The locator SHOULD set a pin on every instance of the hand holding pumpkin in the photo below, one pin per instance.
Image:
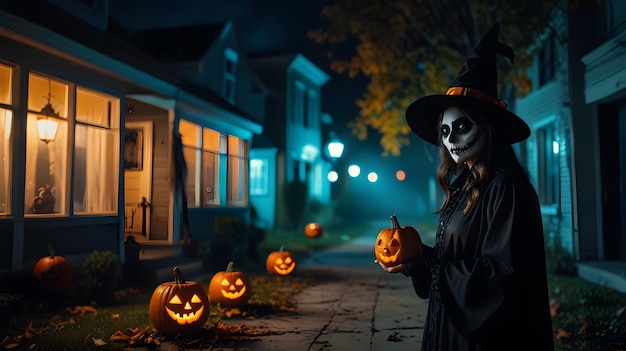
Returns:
(397, 244)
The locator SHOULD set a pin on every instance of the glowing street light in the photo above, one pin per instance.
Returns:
(335, 147)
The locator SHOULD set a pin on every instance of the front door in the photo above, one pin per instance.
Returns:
(138, 179)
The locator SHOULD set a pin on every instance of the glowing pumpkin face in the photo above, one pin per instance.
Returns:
(313, 230)
(280, 262)
(229, 288)
(396, 244)
(179, 306)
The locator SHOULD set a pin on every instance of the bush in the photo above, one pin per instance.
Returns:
(101, 276)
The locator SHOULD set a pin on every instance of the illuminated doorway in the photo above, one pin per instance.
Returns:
(138, 179)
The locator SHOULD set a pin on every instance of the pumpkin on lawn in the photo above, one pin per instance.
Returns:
(280, 262)
(229, 288)
(179, 306)
(54, 273)
(313, 230)
(396, 244)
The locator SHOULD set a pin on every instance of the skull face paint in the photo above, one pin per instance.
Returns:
(461, 137)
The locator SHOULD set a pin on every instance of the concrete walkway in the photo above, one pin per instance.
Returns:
(353, 305)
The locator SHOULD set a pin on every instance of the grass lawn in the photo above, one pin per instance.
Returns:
(585, 316)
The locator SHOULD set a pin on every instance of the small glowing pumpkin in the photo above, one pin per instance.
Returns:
(280, 262)
(313, 230)
(54, 273)
(396, 244)
(179, 306)
(229, 288)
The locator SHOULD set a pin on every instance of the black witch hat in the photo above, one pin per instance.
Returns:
(474, 89)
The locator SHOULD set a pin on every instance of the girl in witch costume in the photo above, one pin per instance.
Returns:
(485, 278)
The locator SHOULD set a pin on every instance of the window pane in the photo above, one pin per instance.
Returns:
(96, 153)
(95, 170)
(43, 90)
(210, 175)
(6, 119)
(210, 140)
(237, 185)
(45, 189)
(193, 198)
(93, 108)
(189, 133)
(259, 176)
(6, 78)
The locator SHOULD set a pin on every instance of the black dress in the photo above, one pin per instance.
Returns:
(486, 276)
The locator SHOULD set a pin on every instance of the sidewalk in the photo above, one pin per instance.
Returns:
(353, 305)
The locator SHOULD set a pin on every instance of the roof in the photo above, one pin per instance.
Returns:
(182, 44)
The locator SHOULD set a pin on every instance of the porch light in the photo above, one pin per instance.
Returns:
(46, 123)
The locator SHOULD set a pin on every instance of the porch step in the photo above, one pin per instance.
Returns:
(611, 274)
(156, 264)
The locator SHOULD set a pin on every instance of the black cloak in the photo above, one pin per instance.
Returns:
(486, 276)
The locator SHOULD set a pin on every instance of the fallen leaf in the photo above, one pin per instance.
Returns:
(395, 337)
(99, 342)
(562, 335)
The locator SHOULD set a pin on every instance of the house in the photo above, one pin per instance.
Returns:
(291, 148)
(124, 118)
(577, 113)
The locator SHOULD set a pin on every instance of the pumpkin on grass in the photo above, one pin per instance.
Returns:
(54, 273)
(229, 288)
(313, 230)
(179, 306)
(280, 262)
(396, 244)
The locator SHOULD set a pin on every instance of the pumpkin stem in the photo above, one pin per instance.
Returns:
(229, 268)
(178, 276)
(51, 249)
(282, 247)
(394, 222)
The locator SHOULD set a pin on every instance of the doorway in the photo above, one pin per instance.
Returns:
(138, 179)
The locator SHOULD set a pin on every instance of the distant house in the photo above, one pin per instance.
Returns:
(110, 169)
(576, 155)
(291, 146)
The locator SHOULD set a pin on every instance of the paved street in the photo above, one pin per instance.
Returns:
(353, 305)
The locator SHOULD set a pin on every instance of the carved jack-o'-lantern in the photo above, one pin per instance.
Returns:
(313, 230)
(396, 244)
(229, 288)
(54, 273)
(179, 306)
(280, 262)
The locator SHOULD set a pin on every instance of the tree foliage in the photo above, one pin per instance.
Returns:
(412, 48)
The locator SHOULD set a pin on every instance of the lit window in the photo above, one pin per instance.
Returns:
(201, 149)
(95, 149)
(547, 165)
(6, 119)
(46, 160)
(237, 174)
(259, 174)
(96, 153)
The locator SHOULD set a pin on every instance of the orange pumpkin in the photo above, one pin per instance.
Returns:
(54, 273)
(229, 288)
(396, 244)
(179, 306)
(280, 262)
(313, 230)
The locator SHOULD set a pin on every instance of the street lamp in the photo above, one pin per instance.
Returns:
(335, 147)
